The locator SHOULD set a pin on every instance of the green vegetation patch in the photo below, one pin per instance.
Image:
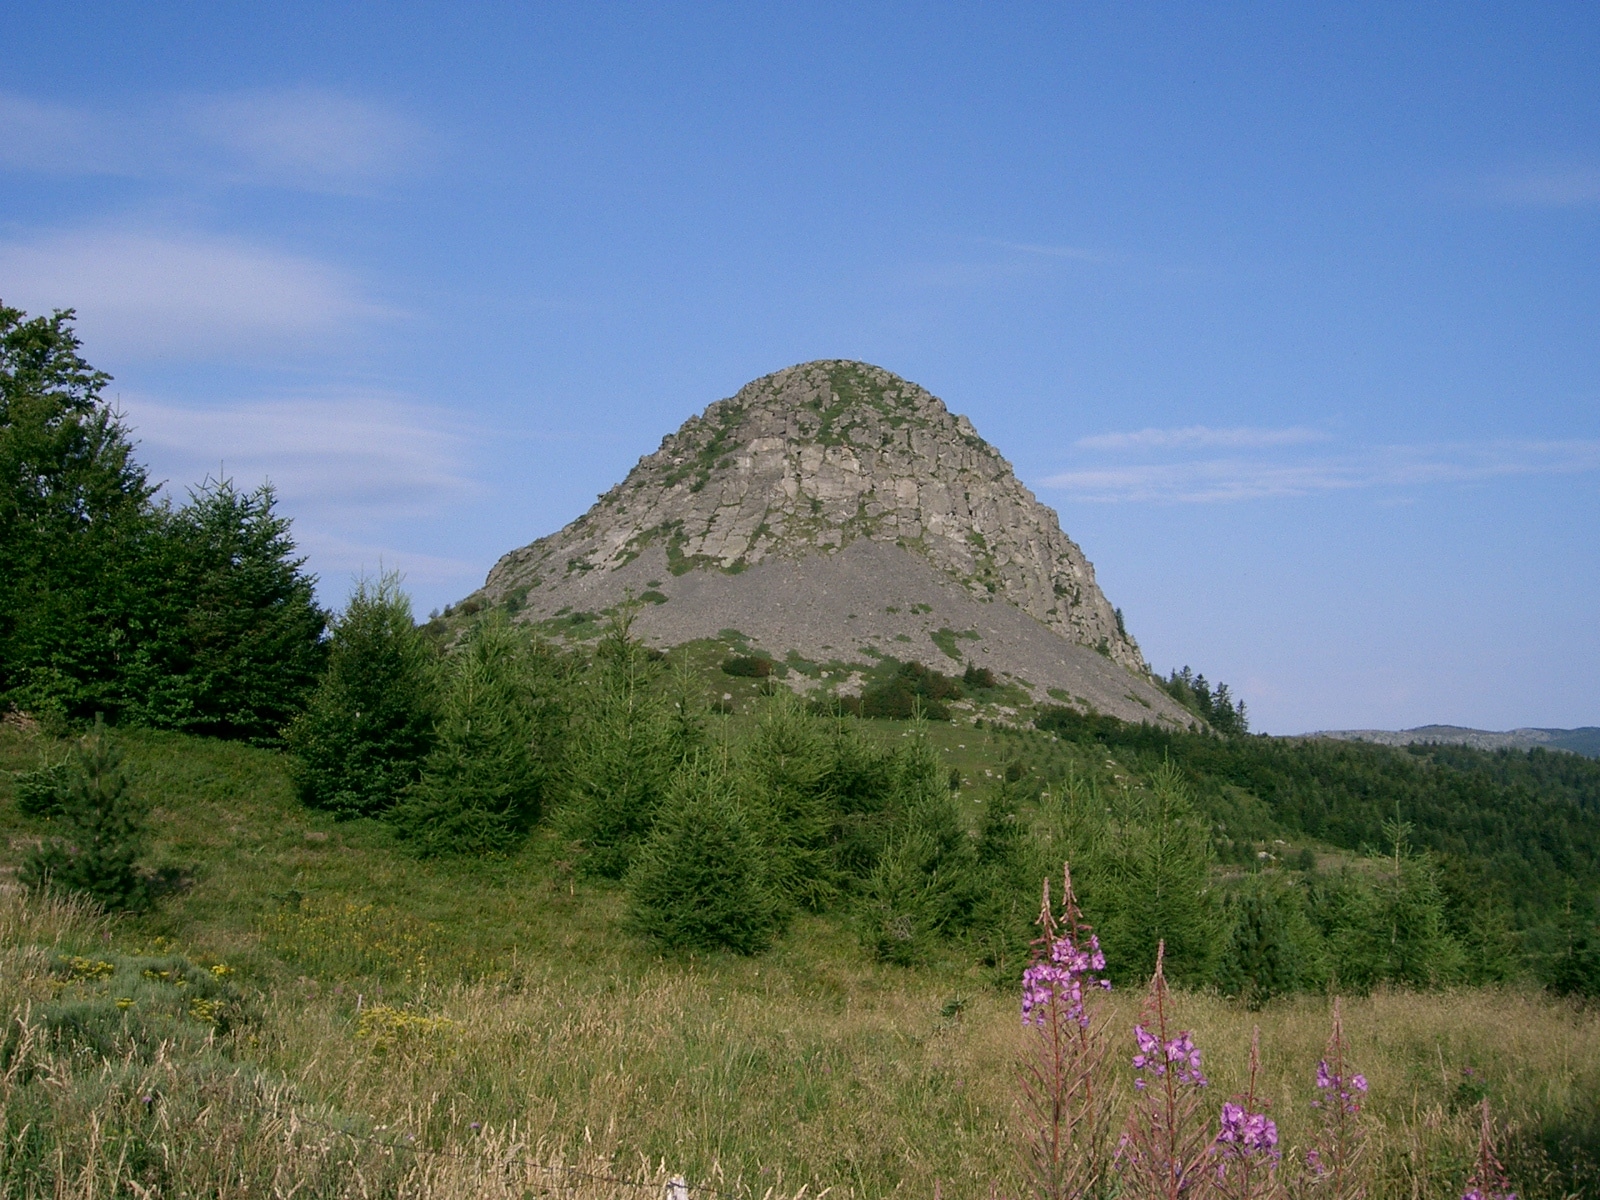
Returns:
(948, 640)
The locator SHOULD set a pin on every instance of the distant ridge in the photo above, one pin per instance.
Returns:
(1584, 741)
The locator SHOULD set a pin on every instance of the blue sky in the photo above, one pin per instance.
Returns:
(1289, 310)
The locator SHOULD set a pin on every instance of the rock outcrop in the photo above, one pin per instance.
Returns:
(843, 496)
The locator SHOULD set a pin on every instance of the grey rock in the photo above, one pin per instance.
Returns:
(812, 512)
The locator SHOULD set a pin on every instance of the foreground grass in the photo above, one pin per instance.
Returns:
(379, 1026)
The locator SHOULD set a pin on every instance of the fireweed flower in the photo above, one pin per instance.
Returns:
(1061, 977)
(1244, 1131)
(1334, 1161)
(1180, 1053)
(1062, 1076)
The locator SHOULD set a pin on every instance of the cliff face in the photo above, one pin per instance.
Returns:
(869, 500)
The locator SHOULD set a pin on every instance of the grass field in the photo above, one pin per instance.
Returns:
(317, 1006)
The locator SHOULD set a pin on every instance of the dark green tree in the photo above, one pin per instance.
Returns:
(785, 764)
(1009, 866)
(1272, 948)
(627, 742)
(924, 885)
(1392, 929)
(367, 727)
(497, 736)
(98, 852)
(242, 647)
(1152, 883)
(699, 881)
(75, 526)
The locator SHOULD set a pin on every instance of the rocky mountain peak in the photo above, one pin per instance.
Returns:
(812, 459)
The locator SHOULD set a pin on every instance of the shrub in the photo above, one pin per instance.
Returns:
(483, 782)
(699, 882)
(978, 677)
(747, 666)
(912, 691)
(365, 731)
(105, 831)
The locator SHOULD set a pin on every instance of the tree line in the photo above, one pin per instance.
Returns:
(196, 616)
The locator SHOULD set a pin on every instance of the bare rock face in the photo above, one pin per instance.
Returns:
(779, 481)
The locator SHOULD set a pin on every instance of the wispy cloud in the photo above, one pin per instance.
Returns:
(1202, 435)
(143, 294)
(336, 558)
(356, 457)
(309, 139)
(1239, 478)
(1080, 253)
(1552, 187)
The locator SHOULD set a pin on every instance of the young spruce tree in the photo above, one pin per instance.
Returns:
(700, 882)
(498, 729)
(627, 742)
(99, 853)
(367, 727)
(924, 885)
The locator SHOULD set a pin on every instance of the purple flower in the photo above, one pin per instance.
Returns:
(1244, 1131)
(1059, 977)
(1359, 1082)
(1324, 1080)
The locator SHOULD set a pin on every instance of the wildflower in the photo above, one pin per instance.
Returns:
(1333, 1160)
(1166, 1143)
(1180, 1053)
(1061, 1080)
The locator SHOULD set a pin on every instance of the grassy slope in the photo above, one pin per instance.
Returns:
(808, 1064)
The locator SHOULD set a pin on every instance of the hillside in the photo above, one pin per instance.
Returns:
(1585, 741)
(467, 1027)
(836, 514)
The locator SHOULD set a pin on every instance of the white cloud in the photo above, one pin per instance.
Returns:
(343, 457)
(1225, 479)
(1560, 187)
(142, 294)
(306, 138)
(310, 139)
(1202, 435)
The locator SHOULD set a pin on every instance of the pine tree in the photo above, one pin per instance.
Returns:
(1154, 883)
(498, 731)
(240, 647)
(627, 742)
(785, 763)
(104, 830)
(367, 727)
(698, 882)
(75, 526)
(924, 886)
